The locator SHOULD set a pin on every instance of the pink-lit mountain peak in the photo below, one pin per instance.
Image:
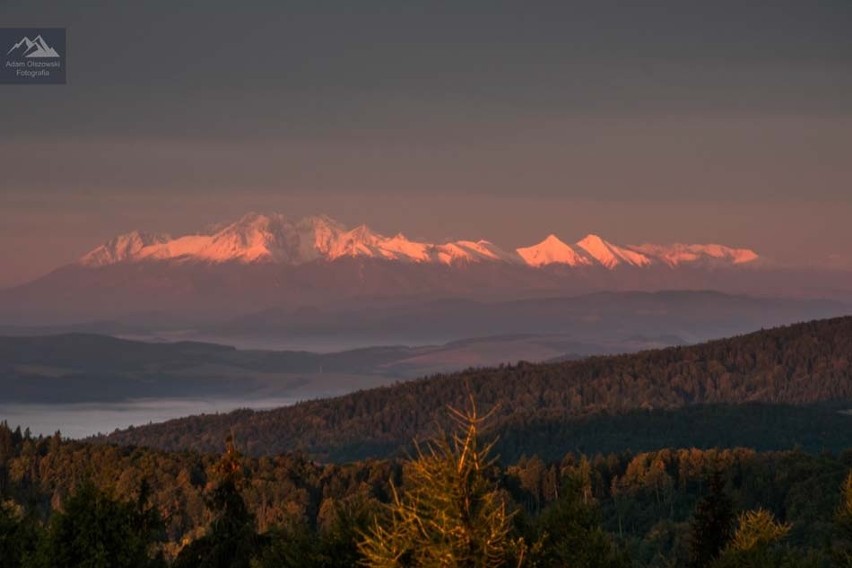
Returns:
(552, 250)
(610, 255)
(274, 238)
(679, 253)
(122, 248)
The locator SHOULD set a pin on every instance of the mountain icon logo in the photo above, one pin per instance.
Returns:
(33, 48)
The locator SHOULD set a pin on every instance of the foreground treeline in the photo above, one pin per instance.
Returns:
(77, 504)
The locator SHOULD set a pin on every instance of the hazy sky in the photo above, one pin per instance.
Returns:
(643, 121)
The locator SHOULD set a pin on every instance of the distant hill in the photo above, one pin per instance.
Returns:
(668, 317)
(565, 325)
(802, 364)
(81, 367)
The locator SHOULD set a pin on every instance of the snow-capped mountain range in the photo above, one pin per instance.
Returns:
(273, 238)
(269, 261)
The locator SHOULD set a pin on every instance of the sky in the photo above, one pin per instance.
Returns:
(661, 121)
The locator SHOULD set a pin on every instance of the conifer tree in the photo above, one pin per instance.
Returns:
(570, 531)
(712, 523)
(843, 518)
(96, 531)
(451, 513)
(752, 544)
(19, 536)
(231, 541)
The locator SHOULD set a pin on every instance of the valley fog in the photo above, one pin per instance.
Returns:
(80, 420)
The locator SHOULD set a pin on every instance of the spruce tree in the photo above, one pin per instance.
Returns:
(232, 540)
(97, 531)
(451, 513)
(843, 518)
(712, 523)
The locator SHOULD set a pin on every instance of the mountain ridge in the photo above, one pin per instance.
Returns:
(799, 364)
(274, 238)
(263, 261)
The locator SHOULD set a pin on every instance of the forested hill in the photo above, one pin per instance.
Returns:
(799, 364)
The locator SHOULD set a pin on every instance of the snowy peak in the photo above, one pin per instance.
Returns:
(470, 251)
(273, 238)
(122, 248)
(677, 254)
(551, 251)
(610, 255)
(253, 238)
